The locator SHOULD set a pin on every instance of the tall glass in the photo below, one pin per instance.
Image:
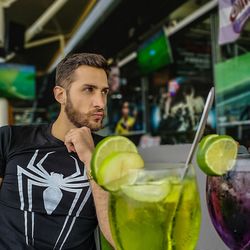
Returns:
(157, 211)
(228, 200)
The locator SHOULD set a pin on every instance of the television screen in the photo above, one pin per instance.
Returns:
(154, 53)
(233, 89)
(17, 81)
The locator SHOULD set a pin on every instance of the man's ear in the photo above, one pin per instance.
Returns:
(60, 94)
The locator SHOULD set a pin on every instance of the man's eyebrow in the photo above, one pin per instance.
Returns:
(89, 85)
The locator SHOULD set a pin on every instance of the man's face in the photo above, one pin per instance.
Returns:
(87, 98)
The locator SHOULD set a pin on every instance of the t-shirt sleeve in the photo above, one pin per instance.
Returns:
(97, 138)
(4, 144)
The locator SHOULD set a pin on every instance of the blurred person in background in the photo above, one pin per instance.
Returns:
(126, 123)
(195, 104)
(114, 79)
(48, 199)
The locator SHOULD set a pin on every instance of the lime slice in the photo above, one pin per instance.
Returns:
(206, 139)
(175, 193)
(115, 170)
(108, 145)
(151, 192)
(217, 155)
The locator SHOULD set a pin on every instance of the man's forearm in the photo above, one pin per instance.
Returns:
(80, 140)
(101, 203)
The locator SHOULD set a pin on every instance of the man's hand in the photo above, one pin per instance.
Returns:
(80, 141)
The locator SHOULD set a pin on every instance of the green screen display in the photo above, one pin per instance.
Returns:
(228, 78)
(17, 81)
(232, 82)
(154, 53)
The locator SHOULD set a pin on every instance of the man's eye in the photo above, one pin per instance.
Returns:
(89, 90)
(105, 91)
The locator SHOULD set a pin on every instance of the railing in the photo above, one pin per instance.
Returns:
(223, 125)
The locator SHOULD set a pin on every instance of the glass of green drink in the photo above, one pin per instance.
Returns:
(156, 209)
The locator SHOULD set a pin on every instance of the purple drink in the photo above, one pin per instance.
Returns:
(228, 200)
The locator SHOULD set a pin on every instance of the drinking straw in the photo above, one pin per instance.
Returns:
(200, 130)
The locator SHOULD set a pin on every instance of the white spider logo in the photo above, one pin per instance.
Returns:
(52, 195)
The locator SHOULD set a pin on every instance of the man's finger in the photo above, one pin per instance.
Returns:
(70, 147)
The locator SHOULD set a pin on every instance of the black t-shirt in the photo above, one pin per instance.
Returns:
(45, 197)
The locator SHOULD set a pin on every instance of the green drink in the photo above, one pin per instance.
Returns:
(187, 218)
(158, 211)
(150, 207)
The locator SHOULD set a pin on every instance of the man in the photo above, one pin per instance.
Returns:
(47, 197)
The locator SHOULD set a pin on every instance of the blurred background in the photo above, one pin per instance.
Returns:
(164, 57)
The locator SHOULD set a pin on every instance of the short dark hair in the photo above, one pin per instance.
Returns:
(70, 63)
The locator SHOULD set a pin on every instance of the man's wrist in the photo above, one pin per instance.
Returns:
(89, 175)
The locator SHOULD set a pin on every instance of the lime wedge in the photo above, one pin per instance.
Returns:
(217, 155)
(115, 170)
(203, 143)
(107, 146)
(151, 192)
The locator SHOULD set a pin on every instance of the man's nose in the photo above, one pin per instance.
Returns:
(99, 100)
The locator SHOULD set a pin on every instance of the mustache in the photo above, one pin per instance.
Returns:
(98, 110)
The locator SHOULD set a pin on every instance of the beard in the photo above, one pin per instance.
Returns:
(79, 119)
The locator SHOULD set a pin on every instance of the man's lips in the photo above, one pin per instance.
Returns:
(98, 115)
